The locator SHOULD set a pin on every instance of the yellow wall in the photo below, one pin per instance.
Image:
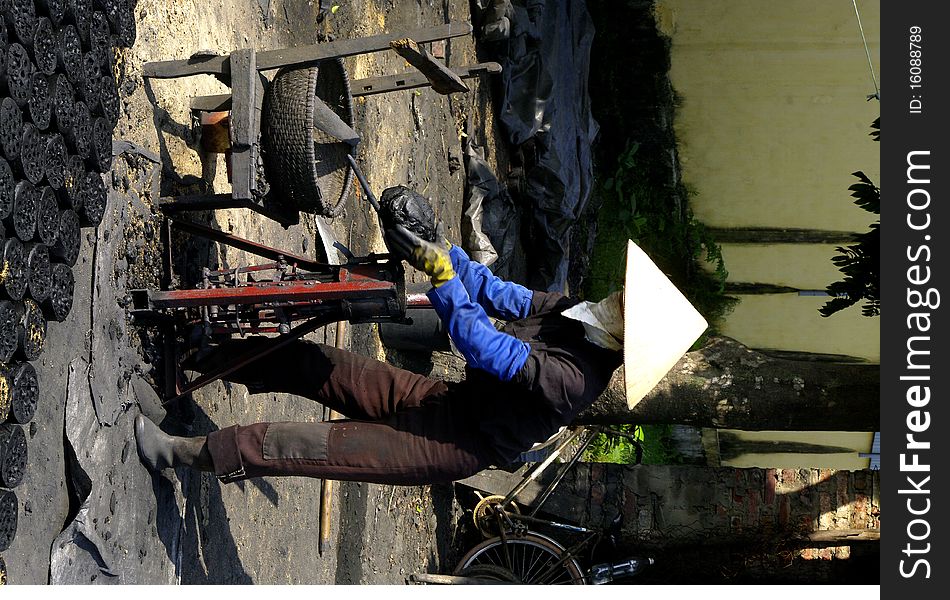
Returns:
(792, 322)
(802, 266)
(859, 442)
(774, 121)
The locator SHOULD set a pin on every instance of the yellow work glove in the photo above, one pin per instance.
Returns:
(431, 258)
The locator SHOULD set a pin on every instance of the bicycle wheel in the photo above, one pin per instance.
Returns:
(531, 558)
(487, 572)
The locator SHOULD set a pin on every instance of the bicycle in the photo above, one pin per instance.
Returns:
(515, 553)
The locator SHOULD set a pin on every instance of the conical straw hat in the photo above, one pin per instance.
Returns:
(659, 325)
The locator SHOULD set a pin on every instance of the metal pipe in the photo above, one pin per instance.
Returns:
(413, 80)
(877, 90)
(246, 245)
(554, 524)
(560, 475)
(540, 468)
(277, 292)
(418, 301)
(363, 183)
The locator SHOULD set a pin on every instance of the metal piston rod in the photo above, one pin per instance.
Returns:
(373, 286)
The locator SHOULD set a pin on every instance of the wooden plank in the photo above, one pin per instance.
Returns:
(198, 65)
(435, 579)
(304, 55)
(363, 87)
(843, 537)
(171, 204)
(301, 55)
(176, 204)
(215, 103)
(243, 133)
(246, 245)
(408, 81)
(442, 79)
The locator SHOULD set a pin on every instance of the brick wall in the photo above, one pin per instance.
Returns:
(663, 505)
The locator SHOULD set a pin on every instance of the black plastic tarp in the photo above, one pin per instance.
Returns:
(544, 109)
(490, 221)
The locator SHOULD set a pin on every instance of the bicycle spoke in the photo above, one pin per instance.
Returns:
(534, 568)
(532, 559)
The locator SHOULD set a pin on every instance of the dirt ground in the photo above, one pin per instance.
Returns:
(190, 528)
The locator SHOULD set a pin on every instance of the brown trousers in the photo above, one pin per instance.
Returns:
(402, 428)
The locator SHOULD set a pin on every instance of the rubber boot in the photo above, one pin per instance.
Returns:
(158, 450)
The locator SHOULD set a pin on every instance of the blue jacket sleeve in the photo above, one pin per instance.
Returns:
(483, 346)
(500, 299)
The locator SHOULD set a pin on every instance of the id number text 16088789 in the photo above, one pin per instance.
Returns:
(915, 71)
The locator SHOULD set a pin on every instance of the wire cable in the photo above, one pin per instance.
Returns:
(877, 91)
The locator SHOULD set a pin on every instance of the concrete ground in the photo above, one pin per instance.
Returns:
(89, 511)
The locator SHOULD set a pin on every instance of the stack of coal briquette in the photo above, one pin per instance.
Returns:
(59, 105)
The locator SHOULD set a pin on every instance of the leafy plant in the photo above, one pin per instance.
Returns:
(860, 262)
(657, 441)
(637, 205)
(614, 448)
(659, 447)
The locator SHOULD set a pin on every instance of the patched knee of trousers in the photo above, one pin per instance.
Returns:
(306, 441)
